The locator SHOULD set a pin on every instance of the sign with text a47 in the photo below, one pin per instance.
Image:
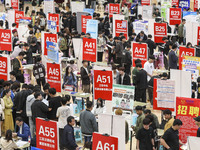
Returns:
(102, 142)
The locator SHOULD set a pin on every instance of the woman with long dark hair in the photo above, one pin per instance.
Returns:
(70, 80)
(99, 108)
(7, 143)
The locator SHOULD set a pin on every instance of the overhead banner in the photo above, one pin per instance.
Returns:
(5, 40)
(103, 83)
(55, 18)
(175, 3)
(89, 49)
(175, 16)
(113, 9)
(84, 22)
(184, 4)
(198, 35)
(54, 76)
(140, 25)
(123, 97)
(102, 142)
(48, 37)
(184, 51)
(53, 53)
(140, 51)
(47, 134)
(121, 26)
(92, 28)
(18, 15)
(145, 2)
(186, 110)
(160, 31)
(164, 94)
(5, 67)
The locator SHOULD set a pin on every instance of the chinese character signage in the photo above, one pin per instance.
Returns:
(184, 51)
(92, 28)
(103, 83)
(5, 40)
(186, 110)
(48, 37)
(175, 3)
(184, 4)
(174, 16)
(160, 31)
(139, 52)
(121, 26)
(4, 67)
(15, 4)
(123, 96)
(18, 15)
(113, 9)
(54, 76)
(198, 34)
(47, 134)
(196, 4)
(54, 18)
(84, 22)
(52, 54)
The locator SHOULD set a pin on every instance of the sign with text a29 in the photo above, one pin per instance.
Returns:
(47, 134)
(102, 142)
(103, 83)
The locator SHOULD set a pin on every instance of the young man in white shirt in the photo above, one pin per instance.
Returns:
(149, 67)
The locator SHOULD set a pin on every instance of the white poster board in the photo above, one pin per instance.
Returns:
(77, 45)
(193, 143)
(11, 17)
(23, 32)
(191, 36)
(49, 6)
(147, 12)
(77, 6)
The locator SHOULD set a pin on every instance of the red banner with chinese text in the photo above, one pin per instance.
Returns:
(174, 16)
(49, 37)
(18, 15)
(175, 2)
(186, 110)
(84, 22)
(113, 9)
(196, 3)
(5, 40)
(121, 26)
(198, 35)
(15, 4)
(145, 2)
(160, 31)
(54, 17)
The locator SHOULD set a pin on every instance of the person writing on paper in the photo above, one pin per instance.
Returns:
(170, 139)
(24, 130)
(7, 143)
(70, 80)
(99, 108)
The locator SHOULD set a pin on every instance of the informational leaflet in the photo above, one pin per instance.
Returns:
(166, 93)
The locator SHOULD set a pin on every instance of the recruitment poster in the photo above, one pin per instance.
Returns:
(5, 40)
(140, 25)
(175, 16)
(47, 134)
(121, 26)
(123, 97)
(84, 22)
(160, 31)
(52, 52)
(140, 51)
(55, 18)
(164, 12)
(5, 67)
(88, 10)
(89, 49)
(164, 94)
(48, 37)
(102, 142)
(186, 110)
(92, 28)
(184, 51)
(15, 4)
(196, 4)
(103, 83)
(18, 15)
(198, 35)
(51, 25)
(185, 4)
(175, 3)
(113, 9)
(54, 76)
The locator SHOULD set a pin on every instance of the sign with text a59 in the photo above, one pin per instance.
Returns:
(54, 76)
(47, 134)
(103, 83)
(101, 142)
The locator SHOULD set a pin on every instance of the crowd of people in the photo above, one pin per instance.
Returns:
(22, 103)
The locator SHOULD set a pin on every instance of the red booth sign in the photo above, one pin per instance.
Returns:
(186, 110)
(139, 52)
(18, 15)
(5, 40)
(196, 3)
(145, 2)
(103, 83)
(15, 4)
(84, 22)
(184, 51)
(113, 9)
(174, 16)
(54, 76)
(102, 142)
(55, 18)
(160, 31)
(49, 37)
(175, 2)
(4, 68)
(121, 26)
(90, 49)
(47, 134)
(198, 35)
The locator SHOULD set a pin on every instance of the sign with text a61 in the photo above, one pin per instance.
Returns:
(102, 142)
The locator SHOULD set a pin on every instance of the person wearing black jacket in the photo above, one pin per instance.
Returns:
(85, 77)
(173, 58)
(28, 52)
(128, 60)
(141, 83)
(110, 46)
(151, 45)
(68, 139)
(38, 108)
(123, 78)
(142, 36)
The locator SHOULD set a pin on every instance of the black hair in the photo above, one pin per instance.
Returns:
(138, 108)
(66, 72)
(13, 73)
(174, 46)
(69, 119)
(37, 94)
(25, 86)
(137, 61)
(14, 24)
(121, 69)
(128, 46)
(183, 20)
(35, 90)
(64, 100)
(89, 104)
(1, 22)
(152, 57)
(26, 44)
(147, 111)
(52, 91)
(38, 59)
(150, 117)
(21, 54)
(6, 92)
(46, 86)
(189, 43)
(8, 135)
(146, 121)
(67, 97)
(138, 65)
(177, 122)
(149, 36)
(30, 26)
(101, 100)
(6, 83)
(19, 119)
(167, 112)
